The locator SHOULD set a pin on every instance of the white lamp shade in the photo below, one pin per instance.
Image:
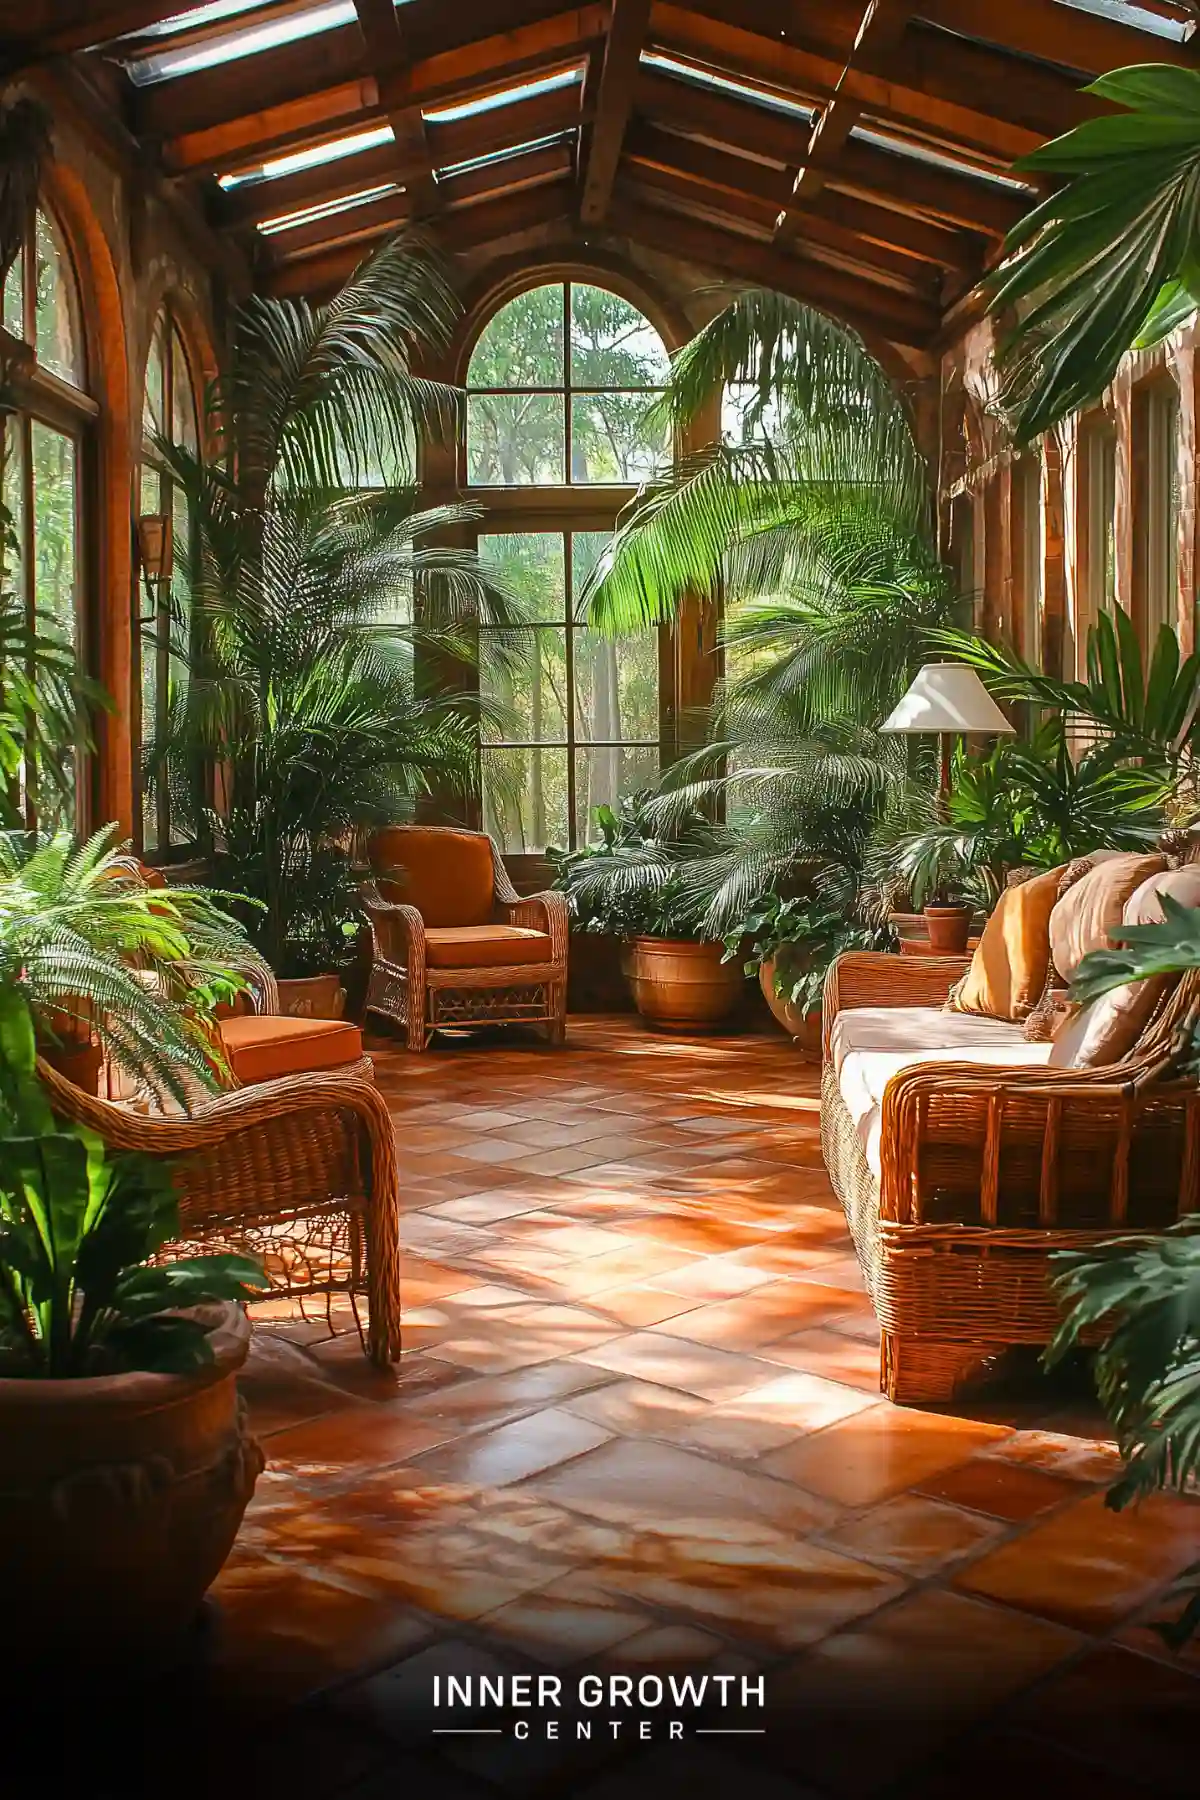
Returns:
(947, 697)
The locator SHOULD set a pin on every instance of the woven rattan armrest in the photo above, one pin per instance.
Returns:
(871, 978)
(994, 1111)
(398, 930)
(546, 912)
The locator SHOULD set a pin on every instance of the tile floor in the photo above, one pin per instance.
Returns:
(637, 1429)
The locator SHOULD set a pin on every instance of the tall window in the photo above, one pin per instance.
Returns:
(1029, 556)
(168, 412)
(1098, 444)
(560, 386)
(43, 446)
(1156, 509)
(559, 389)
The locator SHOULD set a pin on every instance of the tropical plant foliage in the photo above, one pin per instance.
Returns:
(1111, 258)
(630, 883)
(79, 1294)
(92, 949)
(801, 939)
(304, 718)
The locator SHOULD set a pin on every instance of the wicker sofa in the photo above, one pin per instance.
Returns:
(963, 1161)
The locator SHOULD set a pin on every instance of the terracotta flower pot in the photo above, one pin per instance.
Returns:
(949, 928)
(681, 986)
(120, 1498)
(313, 997)
(804, 1027)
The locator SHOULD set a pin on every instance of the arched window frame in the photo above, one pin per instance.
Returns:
(567, 509)
(47, 406)
(158, 494)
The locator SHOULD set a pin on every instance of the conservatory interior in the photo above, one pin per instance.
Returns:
(600, 895)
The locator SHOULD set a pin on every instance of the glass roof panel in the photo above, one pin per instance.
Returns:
(726, 84)
(544, 84)
(325, 209)
(1141, 18)
(311, 157)
(921, 153)
(210, 53)
(500, 156)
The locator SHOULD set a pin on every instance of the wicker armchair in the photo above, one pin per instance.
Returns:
(454, 944)
(299, 1172)
(985, 1171)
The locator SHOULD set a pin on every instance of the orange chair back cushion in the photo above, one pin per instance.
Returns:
(447, 875)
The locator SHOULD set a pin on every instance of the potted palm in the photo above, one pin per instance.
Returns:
(125, 1464)
(630, 885)
(315, 579)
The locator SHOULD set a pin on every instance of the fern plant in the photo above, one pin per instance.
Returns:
(88, 944)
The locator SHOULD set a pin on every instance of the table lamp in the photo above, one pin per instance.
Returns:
(949, 699)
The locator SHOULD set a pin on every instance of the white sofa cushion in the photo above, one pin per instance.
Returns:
(871, 1044)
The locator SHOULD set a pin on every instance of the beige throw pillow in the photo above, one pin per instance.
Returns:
(1107, 1030)
(1084, 917)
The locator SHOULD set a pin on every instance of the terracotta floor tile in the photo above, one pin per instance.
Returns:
(563, 1622)
(1006, 1490)
(663, 1647)
(1058, 1454)
(362, 1437)
(753, 1320)
(486, 1207)
(716, 1278)
(879, 1452)
(1132, 1716)
(637, 1306)
(696, 1368)
(832, 1354)
(491, 1149)
(555, 1162)
(514, 1451)
(913, 1535)
(472, 1403)
(865, 1705)
(1090, 1567)
(671, 1493)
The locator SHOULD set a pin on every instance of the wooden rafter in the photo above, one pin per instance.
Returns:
(1064, 35)
(614, 101)
(882, 27)
(43, 29)
(388, 51)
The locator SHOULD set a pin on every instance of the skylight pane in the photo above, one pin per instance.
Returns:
(312, 157)
(545, 84)
(326, 209)
(212, 52)
(1140, 18)
(725, 84)
(919, 153)
(499, 156)
(198, 16)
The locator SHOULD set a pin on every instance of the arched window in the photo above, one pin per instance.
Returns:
(168, 412)
(45, 442)
(560, 389)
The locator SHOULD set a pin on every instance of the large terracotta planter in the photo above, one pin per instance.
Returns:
(804, 1027)
(120, 1498)
(313, 997)
(680, 986)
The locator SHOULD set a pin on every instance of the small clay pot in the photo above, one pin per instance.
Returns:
(949, 928)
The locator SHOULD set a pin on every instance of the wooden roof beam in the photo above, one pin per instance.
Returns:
(614, 102)
(388, 50)
(454, 141)
(874, 311)
(41, 29)
(262, 128)
(1063, 35)
(490, 222)
(881, 29)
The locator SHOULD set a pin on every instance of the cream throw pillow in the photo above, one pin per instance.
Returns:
(1088, 911)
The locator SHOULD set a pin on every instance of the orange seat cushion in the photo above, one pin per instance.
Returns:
(262, 1049)
(485, 947)
(447, 875)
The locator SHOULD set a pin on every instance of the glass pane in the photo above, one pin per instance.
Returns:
(602, 776)
(611, 439)
(612, 344)
(515, 440)
(14, 302)
(54, 578)
(616, 688)
(183, 400)
(742, 421)
(532, 564)
(57, 341)
(522, 346)
(525, 680)
(525, 798)
(154, 408)
(12, 496)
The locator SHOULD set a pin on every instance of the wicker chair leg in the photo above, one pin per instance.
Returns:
(418, 1036)
(927, 1371)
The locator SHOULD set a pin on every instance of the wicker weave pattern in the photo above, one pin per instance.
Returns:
(301, 1171)
(985, 1173)
(403, 987)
